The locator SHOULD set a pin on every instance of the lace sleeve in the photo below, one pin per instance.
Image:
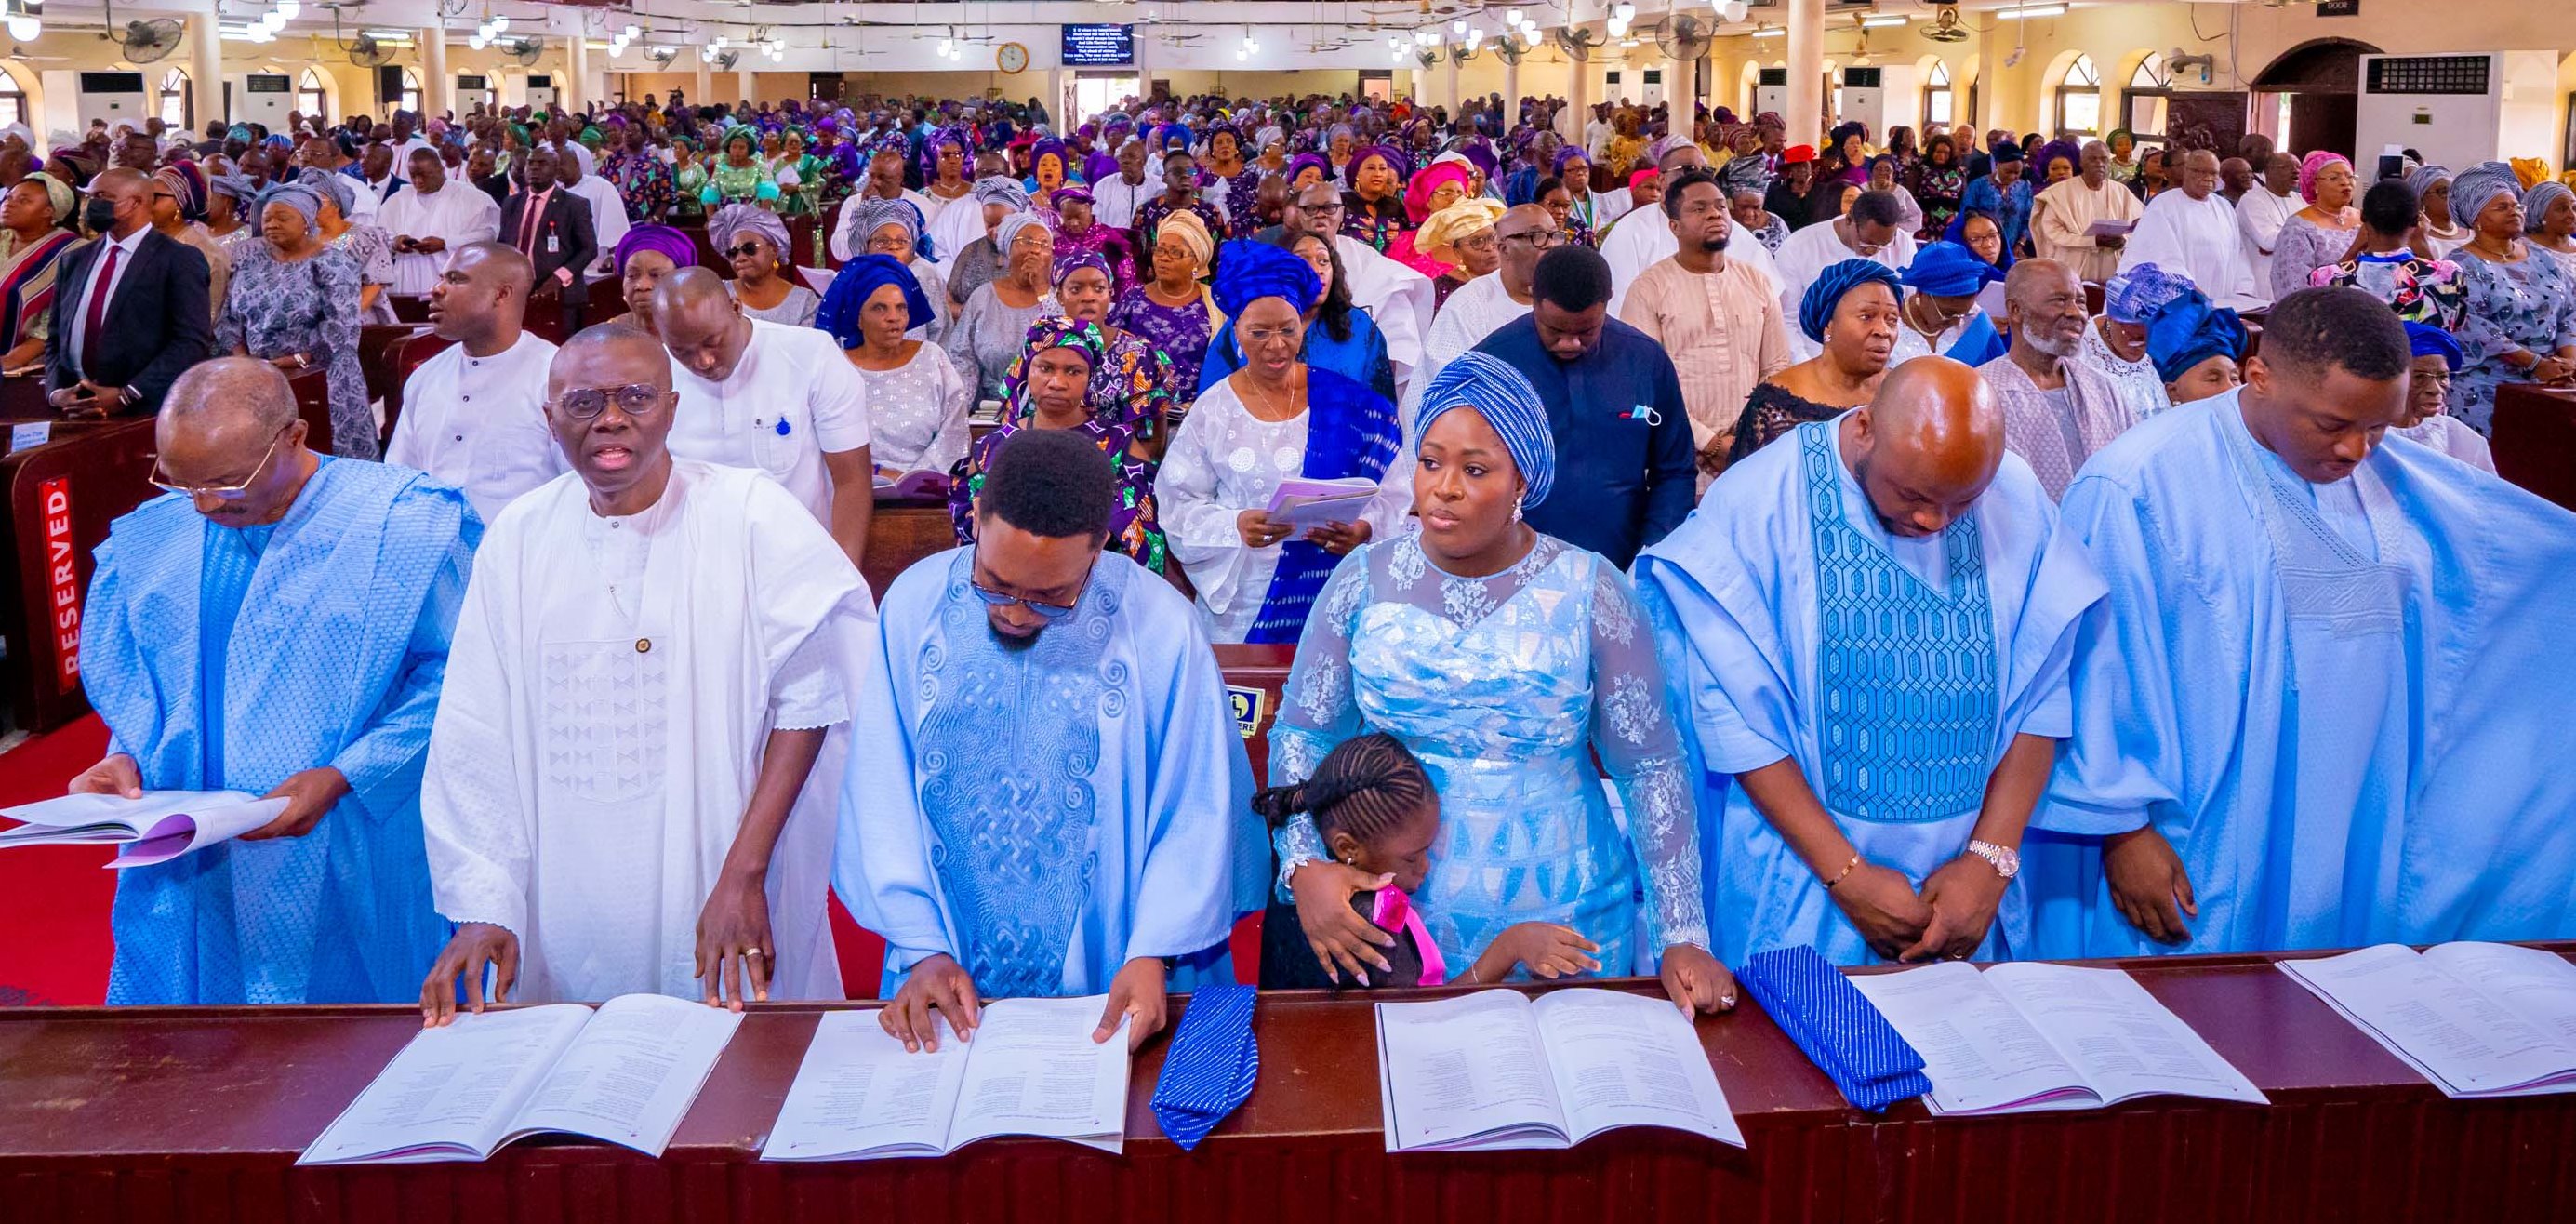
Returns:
(1316, 709)
(1633, 730)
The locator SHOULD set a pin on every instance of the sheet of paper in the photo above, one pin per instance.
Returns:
(1630, 1060)
(634, 1070)
(858, 1093)
(453, 1091)
(1980, 1054)
(2538, 986)
(2123, 1040)
(1453, 1069)
(196, 829)
(122, 819)
(1315, 503)
(2108, 228)
(2463, 1041)
(1033, 1069)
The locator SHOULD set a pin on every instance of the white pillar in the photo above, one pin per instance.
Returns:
(1806, 71)
(1511, 93)
(702, 91)
(1449, 82)
(576, 92)
(1986, 88)
(745, 87)
(437, 88)
(205, 71)
(1578, 99)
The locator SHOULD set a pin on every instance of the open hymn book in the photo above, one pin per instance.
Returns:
(623, 1074)
(2477, 1019)
(2029, 1036)
(1498, 1070)
(1031, 1069)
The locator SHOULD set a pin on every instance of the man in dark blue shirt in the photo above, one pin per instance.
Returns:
(1624, 469)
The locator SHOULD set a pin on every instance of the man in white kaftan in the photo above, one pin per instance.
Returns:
(632, 786)
(1870, 231)
(430, 217)
(2262, 212)
(1870, 622)
(1047, 796)
(2193, 231)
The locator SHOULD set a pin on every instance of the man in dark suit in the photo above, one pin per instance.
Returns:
(131, 310)
(552, 227)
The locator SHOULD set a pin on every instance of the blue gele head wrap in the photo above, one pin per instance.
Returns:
(858, 281)
(2186, 330)
(2425, 340)
(1248, 271)
(1817, 308)
(1947, 269)
(1508, 403)
(303, 199)
(2476, 187)
(871, 214)
(2135, 293)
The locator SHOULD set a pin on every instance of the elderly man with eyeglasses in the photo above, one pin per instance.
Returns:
(1047, 795)
(633, 780)
(279, 625)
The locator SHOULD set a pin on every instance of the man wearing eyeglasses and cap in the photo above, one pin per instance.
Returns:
(278, 626)
(1047, 796)
(632, 780)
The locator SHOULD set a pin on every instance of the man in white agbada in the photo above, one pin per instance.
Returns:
(1046, 795)
(2193, 232)
(885, 182)
(430, 217)
(474, 415)
(769, 397)
(1479, 307)
(1631, 249)
(2063, 216)
(1869, 231)
(2057, 410)
(629, 785)
(1399, 300)
(2261, 214)
(1871, 622)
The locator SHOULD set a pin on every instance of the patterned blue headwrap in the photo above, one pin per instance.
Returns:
(1817, 308)
(2135, 293)
(2476, 187)
(1947, 269)
(869, 214)
(1248, 271)
(1506, 400)
(2425, 340)
(858, 281)
(1006, 192)
(2186, 330)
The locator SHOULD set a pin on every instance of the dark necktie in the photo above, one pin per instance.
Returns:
(93, 327)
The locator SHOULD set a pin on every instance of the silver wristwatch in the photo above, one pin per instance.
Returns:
(2004, 859)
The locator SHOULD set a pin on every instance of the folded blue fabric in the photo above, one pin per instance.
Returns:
(1836, 1026)
(1211, 1067)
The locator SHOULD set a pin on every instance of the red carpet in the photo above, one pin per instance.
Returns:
(54, 900)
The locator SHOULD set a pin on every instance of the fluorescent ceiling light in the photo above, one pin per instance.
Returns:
(2030, 10)
(1770, 32)
(1882, 21)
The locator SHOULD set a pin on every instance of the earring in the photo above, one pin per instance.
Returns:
(1516, 509)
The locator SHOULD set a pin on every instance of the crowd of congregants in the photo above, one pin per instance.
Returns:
(1692, 543)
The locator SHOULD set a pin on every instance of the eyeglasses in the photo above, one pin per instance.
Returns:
(1322, 210)
(219, 492)
(744, 250)
(634, 400)
(1048, 612)
(1263, 337)
(1539, 239)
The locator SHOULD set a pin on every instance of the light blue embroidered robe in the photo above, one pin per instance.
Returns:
(1046, 812)
(226, 658)
(1737, 595)
(2346, 706)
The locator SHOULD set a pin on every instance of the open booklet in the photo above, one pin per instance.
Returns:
(1498, 1070)
(160, 826)
(2477, 1019)
(2028, 1036)
(1031, 1069)
(1303, 503)
(623, 1074)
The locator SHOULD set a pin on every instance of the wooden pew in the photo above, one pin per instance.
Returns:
(2535, 440)
(902, 532)
(399, 362)
(61, 496)
(1254, 678)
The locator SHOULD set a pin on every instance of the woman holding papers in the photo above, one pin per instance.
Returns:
(1274, 420)
(1505, 660)
(1049, 388)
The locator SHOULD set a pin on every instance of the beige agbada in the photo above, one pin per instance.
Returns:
(2062, 213)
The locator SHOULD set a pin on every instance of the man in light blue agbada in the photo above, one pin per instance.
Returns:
(2325, 703)
(280, 626)
(1047, 795)
(1868, 624)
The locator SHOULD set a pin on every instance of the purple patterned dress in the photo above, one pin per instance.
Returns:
(1182, 333)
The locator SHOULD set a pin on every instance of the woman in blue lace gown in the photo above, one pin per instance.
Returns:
(1504, 659)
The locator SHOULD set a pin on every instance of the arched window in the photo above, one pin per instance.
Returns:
(2079, 99)
(309, 98)
(1936, 94)
(178, 107)
(13, 101)
(2142, 104)
(411, 91)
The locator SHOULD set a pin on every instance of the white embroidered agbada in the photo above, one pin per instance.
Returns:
(2259, 218)
(612, 689)
(2198, 239)
(457, 213)
(1806, 255)
(1474, 311)
(1632, 248)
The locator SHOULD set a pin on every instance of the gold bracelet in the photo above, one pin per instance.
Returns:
(1845, 873)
